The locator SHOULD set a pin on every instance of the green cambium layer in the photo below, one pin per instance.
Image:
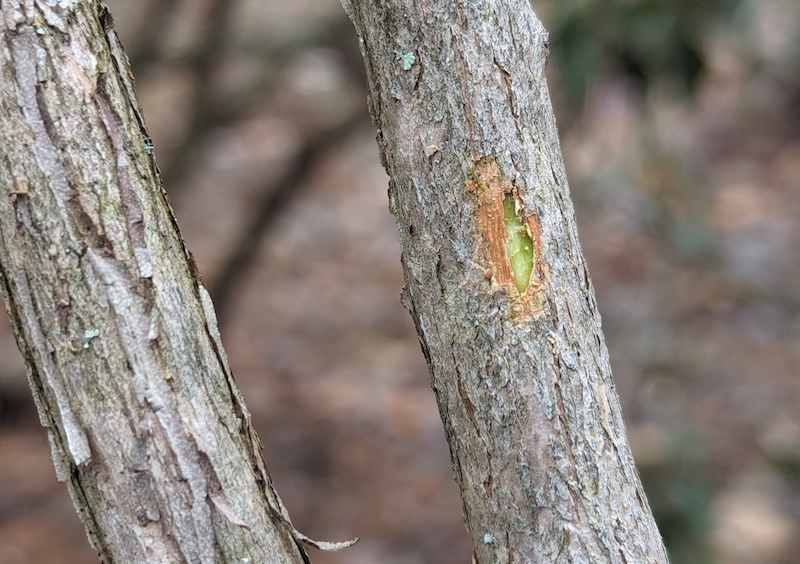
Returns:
(519, 247)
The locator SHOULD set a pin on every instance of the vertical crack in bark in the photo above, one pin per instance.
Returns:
(75, 434)
(469, 407)
(131, 207)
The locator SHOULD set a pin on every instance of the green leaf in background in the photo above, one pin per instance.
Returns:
(646, 41)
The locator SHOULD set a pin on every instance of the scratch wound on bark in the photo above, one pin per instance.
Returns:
(510, 233)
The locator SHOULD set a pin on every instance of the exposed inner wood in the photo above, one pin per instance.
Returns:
(490, 188)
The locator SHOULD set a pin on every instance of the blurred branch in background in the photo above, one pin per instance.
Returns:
(212, 105)
(202, 65)
(274, 202)
(223, 76)
(152, 26)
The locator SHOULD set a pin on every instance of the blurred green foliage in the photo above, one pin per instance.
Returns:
(646, 41)
(680, 493)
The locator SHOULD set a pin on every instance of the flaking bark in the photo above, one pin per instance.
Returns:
(146, 424)
(523, 381)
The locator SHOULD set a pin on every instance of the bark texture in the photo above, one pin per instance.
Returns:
(520, 370)
(146, 424)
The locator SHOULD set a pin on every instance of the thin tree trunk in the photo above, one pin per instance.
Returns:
(497, 284)
(145, 422)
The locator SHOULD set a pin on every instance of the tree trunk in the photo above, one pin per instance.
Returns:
(497, 284)
(145, 422)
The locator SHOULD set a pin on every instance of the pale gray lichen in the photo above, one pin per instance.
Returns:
(408, 59)
(88, 335)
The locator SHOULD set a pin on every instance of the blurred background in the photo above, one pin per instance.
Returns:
(680, 125)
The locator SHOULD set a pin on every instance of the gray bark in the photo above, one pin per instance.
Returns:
(146, 425)
(522, 376)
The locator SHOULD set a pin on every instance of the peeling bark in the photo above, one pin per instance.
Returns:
(146, 424)
(523, 381)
